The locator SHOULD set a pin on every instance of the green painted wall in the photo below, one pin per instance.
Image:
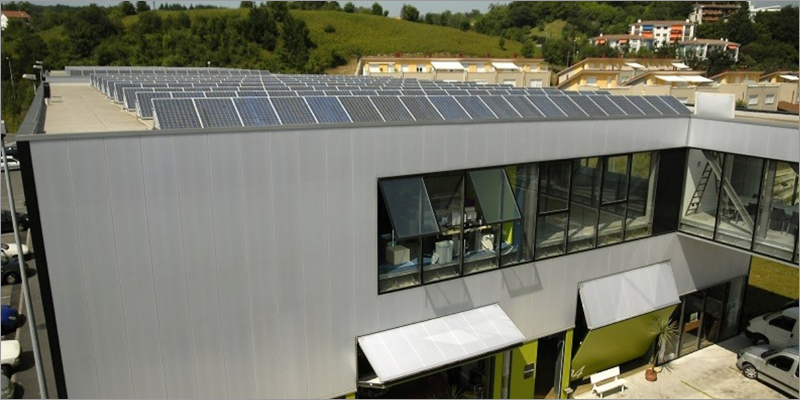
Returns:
(615, 344)
(497, 385)
(350, 396)
(522, 388)
(567, 363)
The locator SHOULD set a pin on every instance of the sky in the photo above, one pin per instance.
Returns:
(392, 6)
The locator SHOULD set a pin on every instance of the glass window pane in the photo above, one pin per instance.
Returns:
(700, 194)
(692, 318)
(441, 252)
(494, 195)
(615, 179)
(739, 203)
(514, 244)
(554, 186)
(609, 228)
(524, 183)
(550, 230)
(641, 195)
(409, 207)
(584, 200)
(776, 230)
(480, 248)
(398, 265)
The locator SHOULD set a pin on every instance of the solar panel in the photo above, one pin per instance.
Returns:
(547, 107)
(457, 92)
(659, 105)
(421, 108)
(217, 113)
(500, 107)
(676, 105)
(221, 93)
(392, 109)
(175, 114)
(252, 93)
(448, 107)
(256, 111)
(364, 92)
(293, 110)
(566, 104)
(475, 107)
(643, 105)
(361, 109)
(390, 92)
(588, 106)
(185, 95)
(607, 105)
(524, 107)
(625, 105)
(327, 109)
(144, 102)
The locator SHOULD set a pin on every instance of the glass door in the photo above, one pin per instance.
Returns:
(692, 322)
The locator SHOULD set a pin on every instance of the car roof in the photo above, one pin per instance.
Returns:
(790, 350)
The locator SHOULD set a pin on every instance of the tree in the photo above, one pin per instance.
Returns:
(718, 61)
(409, 13)
(377, 9)
(349, 7)
(141, 6)
(294, 43)
(502, 43)
(246, 4)
(127, 8)
(260, 27)
(279, 10)
(528, 49)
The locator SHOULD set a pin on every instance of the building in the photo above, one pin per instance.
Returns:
(663, 31)
(702, 47)
(5, 16)
(519, 72)
(511, 253)
(713, 11)
(609, 73)
(755, 10)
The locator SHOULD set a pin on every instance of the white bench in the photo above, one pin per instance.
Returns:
(600, 388)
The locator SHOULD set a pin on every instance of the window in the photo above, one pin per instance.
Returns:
(512, 82)
(405, 67)
(782, 363)
(701, 192)
(420, 69)
(537, 83)
(584, 200)
(641, 195)
(777, 219)
(769, 99)
(551, 225)
(752, 100)
(447, 199)
(591, 80)
(783, 322)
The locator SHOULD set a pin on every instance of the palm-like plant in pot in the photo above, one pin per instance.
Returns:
(665, 332)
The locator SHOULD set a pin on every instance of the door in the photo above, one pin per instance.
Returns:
(779, 371)
(780, 329)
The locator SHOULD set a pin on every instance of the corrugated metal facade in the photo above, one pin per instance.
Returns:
(244, 264)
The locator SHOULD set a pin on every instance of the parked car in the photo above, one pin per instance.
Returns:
(11, 150)
(776, 366)
(8, 388)
(7, 224)
(778, 328)
(793, 303)
(11, 273)
(10, 162)
(12, 251)
(9, 319)
(10, 351)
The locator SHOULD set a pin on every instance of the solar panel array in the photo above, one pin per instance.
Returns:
(179, 98)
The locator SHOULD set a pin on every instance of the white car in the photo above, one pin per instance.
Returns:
(12, 250)
(10, 162)
(11, 351)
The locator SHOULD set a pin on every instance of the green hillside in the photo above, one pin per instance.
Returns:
(368, 35)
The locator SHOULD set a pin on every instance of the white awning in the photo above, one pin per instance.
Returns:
(696, 79)
(635, 65)
(670, 78)
(681, 66)
(790, 77)
(409, 350)
(622, 296)
(505, 65)
(447, 65)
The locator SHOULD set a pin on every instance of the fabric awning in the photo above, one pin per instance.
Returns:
(629, 294)
(670, 78)
(732, 46)
(790, 77)
(412, 349)
(447, 65)
(635, 65)
(681, 66)
(696, 79)
(505, 65)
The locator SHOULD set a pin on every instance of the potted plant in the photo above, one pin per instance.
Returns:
(665, 331)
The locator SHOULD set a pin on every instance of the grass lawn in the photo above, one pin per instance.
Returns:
(770, 286)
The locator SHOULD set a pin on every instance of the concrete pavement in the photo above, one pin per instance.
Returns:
(77, 107)
(709, 373)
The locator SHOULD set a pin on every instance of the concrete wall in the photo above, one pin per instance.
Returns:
(251, 272)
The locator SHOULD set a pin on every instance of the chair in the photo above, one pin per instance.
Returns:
(777, 220)
(793, 224)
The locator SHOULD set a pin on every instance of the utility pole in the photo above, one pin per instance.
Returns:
(11, 75)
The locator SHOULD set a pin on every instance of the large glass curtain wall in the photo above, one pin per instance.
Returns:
(746, 202)
(446, 225)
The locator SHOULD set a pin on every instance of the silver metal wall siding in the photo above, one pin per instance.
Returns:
(242, 265)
